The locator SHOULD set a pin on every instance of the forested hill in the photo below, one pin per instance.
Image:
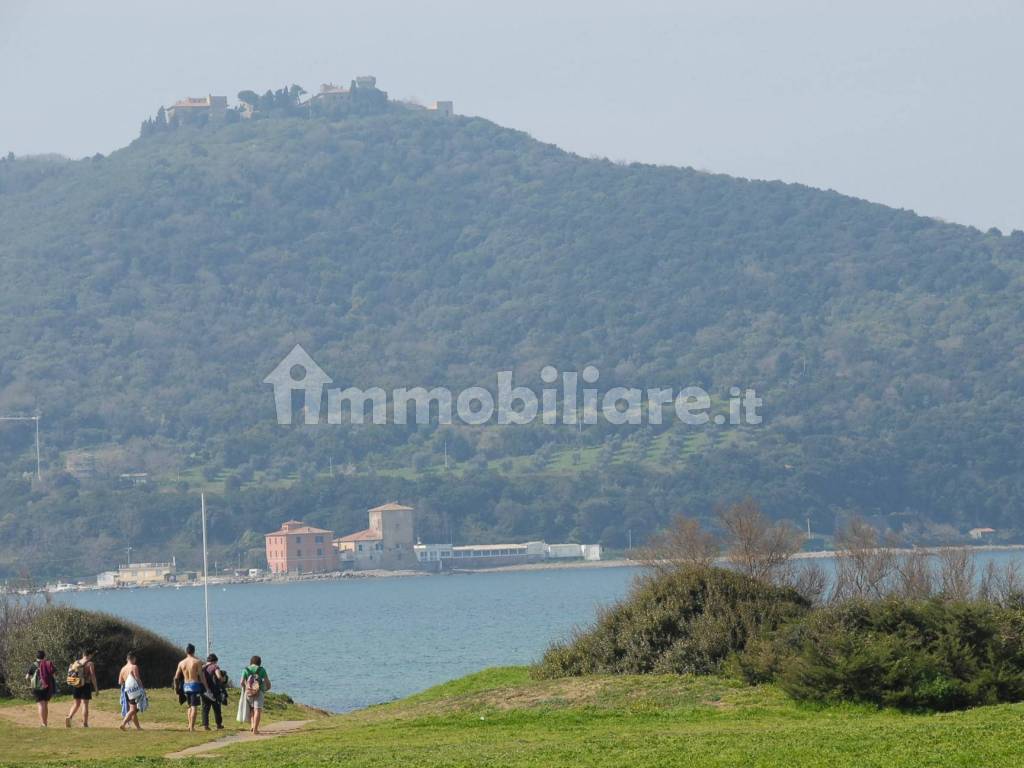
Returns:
(145, 295)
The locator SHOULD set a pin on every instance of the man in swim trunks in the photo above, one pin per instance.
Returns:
(190, 672)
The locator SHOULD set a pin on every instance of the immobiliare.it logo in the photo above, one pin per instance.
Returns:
(565, 397)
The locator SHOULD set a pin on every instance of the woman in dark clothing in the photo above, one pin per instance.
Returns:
(43, 678)
(82, 694)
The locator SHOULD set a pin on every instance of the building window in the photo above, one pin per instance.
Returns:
(319, 553)
(319, 539)
(360, 547)
(298, 553)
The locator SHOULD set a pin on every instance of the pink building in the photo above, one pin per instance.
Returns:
(299, 548)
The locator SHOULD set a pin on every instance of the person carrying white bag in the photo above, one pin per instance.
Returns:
(133, 695)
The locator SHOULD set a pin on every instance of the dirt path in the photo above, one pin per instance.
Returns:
(269, 731)
(27, 716)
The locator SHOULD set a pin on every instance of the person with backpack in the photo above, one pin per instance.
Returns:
(42, 679)
(217, 692)
(255, 683)
(133, 695)
(82, 681)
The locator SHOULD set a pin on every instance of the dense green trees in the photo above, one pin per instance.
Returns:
(145, 296)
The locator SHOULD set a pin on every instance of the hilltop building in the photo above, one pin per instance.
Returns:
(299, 548)
(329, 92)
(388, 542)
(362, 96)
(192, 110)
(361, 93)
(446, 108)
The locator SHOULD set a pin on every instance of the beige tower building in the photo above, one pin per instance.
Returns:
(386, 544)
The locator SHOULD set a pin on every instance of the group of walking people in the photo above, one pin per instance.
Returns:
(201, 685)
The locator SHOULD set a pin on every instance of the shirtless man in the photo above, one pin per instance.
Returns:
(130, 674)
(190, 672)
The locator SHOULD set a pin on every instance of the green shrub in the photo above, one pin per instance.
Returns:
(928, 655)
(15, 612)
(688, 620)
(63, 632)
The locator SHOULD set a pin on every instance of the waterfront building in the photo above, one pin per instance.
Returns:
(387, 543)
(298, 548)
(144, 575)
(444, 556)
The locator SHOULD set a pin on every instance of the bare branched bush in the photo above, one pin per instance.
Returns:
(914, 579)
(757, 547)
(864, 565)
(683, 543)
(809, 579)
(1001, 586)
(957, 573)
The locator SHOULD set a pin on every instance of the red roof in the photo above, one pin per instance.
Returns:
(392, 506)
(304, 529)
(368, 535)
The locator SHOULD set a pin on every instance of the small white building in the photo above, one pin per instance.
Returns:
(446, 108)
(564, 551)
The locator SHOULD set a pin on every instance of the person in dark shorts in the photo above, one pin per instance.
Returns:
(216, 696)
(42, 679)
(82, 694)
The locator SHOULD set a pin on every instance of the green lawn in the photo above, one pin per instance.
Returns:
(502, 718)
(163, 724)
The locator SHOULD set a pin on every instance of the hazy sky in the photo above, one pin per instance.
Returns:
(913, 104)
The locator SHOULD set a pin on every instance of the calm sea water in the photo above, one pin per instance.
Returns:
(350, 643)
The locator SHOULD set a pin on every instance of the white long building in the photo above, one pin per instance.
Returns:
(445, 556)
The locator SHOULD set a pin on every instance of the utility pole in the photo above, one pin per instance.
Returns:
(206, 579)
(39, 459)
(446, 455)
(129, 553)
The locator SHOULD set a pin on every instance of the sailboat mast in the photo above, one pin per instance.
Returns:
(206, 579)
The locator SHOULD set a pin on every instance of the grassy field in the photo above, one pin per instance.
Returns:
(23, 742)
(502, 718)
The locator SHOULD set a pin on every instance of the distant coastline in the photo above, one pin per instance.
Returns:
(825, 554)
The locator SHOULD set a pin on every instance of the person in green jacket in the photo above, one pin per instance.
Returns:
(255, 682)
